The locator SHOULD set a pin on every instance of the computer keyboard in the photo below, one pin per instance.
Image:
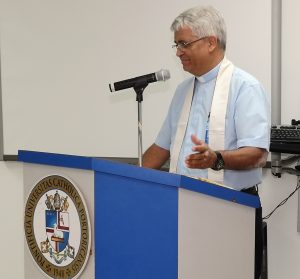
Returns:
(285, 133)
(285, 139)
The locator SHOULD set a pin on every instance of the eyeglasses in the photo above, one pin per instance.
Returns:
(184, 45)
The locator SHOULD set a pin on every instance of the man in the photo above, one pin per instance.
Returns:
(240, 144)
(218, 123)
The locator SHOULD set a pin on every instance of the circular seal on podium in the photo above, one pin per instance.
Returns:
(57, 227)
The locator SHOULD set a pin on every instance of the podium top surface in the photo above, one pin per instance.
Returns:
(135, 172)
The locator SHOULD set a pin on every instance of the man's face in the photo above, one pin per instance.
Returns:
(195, 57)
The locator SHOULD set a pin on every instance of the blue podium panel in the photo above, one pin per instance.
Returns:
(54, 159)
(136, 228)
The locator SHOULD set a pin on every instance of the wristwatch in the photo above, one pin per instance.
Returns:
(219, 163)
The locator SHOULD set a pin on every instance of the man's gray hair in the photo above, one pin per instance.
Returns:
(203, 21)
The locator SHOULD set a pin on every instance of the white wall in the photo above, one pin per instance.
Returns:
(11, 216)
(283, 238)
(290, 61)
(59, 56)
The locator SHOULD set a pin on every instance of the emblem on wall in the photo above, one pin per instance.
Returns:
(57, 227)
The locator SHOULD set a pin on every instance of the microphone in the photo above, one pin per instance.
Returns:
(142, 80)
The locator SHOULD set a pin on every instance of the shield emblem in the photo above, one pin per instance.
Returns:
(57, 229)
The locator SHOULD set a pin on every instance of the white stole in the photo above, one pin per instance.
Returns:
(217, 120)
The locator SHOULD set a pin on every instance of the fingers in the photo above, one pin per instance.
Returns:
(199, 146)
(198, 160)
(195, 140)
(198, 156)
(202, 158)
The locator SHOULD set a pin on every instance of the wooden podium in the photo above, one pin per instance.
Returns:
(153, 224)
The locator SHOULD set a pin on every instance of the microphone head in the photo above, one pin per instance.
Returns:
(163, 75)
(112, 87)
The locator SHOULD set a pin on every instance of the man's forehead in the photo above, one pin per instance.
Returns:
(183, 32)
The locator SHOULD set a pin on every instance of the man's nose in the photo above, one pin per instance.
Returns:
(179, 52)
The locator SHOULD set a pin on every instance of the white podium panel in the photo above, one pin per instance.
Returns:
(215, 238)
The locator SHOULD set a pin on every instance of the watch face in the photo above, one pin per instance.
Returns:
(219, 165)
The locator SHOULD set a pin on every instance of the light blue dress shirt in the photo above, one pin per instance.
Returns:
(247, 124)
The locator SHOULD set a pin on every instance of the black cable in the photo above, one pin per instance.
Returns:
(281, 203)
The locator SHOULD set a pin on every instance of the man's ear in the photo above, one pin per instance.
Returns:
(212, 43)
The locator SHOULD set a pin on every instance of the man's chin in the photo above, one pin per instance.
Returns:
(187, 69)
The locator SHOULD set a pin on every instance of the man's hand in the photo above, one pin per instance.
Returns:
(243, 158)
(203, 158)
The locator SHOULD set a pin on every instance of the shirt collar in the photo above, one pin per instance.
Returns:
(212, 74)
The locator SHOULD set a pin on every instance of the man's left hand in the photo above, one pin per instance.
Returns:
(203, 158)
